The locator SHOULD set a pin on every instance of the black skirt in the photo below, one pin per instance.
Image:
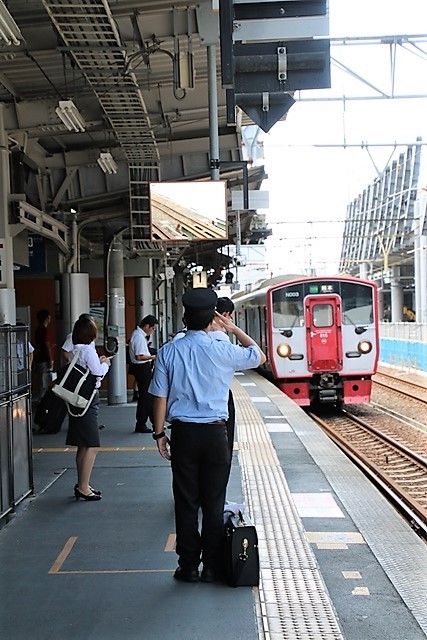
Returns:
(84, 431)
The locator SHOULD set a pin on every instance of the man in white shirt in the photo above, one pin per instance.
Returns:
(68, 345)
(140, 366)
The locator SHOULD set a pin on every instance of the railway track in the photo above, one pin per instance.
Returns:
(396, 468)
(401, 399)
(404, 387)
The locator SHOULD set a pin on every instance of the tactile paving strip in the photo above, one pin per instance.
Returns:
(400, 552)
(292, 600)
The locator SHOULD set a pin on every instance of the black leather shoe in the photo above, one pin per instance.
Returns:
(186, 575)
(208, 575)
(95, 491)
(90, 497)
(143, 430)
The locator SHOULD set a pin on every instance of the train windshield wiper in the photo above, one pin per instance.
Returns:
(357, 329)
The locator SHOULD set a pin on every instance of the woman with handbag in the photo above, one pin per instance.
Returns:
(83, 432)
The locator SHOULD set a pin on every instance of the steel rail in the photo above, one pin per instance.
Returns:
(414, 510)
(408, 383)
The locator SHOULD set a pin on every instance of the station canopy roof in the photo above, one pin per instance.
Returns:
(116, 62)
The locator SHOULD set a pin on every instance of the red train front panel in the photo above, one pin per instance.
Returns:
(323, 339)
(323, 333)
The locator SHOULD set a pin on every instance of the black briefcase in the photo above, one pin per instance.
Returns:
(241, 552)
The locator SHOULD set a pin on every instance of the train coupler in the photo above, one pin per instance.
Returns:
(328, 396)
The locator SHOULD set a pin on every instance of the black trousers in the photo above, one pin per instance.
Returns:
(231, 422)
(200, 465)
(144, 409)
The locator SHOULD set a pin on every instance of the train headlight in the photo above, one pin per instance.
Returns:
(283, 350)
(364, 346)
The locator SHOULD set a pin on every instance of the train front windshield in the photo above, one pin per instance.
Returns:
(357, 303)
(288, 307)
(288, 302)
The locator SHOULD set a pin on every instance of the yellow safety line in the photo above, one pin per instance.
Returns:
(116, 571)
(104, 449)
(63, 555)
(170, 544)
(56, 567)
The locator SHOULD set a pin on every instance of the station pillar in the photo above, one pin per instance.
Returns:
(380, 305)
(177, 307)
(73, 299)
(363, 270)
(7, 290)
(143, 298)
(396, 296)
(115, 325)
(422, 290)
(420, 258)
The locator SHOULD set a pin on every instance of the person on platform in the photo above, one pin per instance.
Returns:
(225, 307)
(141, 360)
(44, 351)
(67, 347)
(190, 386)
(83, 432)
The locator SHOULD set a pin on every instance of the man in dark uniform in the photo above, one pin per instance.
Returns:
(141, 360)
(190, 386)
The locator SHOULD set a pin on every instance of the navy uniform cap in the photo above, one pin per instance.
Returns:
(200, 299)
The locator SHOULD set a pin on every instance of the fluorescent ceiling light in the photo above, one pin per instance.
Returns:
(107, 162)
(70, 116)
(9, 30)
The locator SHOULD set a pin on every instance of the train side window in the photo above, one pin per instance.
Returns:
(253, 322)
(323, 315)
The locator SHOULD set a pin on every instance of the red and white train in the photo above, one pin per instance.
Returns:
(320, 335)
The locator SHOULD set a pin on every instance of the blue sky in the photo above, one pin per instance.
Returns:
(313, 185)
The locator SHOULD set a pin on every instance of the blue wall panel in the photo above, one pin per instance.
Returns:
(403, 353)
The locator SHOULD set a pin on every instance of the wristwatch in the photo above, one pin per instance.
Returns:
(157, 436)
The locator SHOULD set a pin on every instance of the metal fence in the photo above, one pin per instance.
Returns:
(16, 475)
(404, 344)
(404, 331)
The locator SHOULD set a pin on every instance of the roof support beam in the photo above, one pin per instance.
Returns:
(64, 186)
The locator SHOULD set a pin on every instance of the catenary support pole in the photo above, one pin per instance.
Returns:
(213, 112)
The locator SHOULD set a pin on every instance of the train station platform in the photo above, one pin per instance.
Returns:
(337, 561)
(414, 376)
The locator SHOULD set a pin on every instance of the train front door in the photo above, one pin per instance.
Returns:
(324, 335)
